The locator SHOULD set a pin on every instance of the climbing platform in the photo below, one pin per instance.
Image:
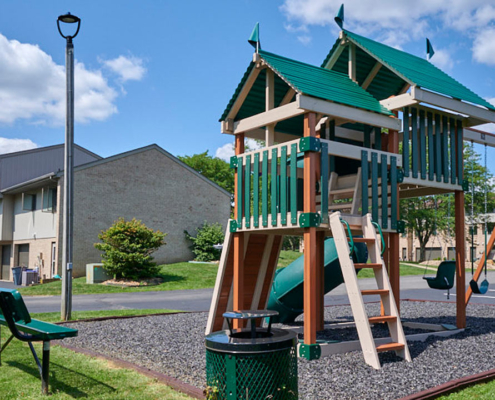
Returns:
(344, 231)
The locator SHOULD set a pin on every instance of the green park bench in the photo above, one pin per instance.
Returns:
(14, 315)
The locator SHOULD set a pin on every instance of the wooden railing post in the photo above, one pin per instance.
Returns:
(460, 257)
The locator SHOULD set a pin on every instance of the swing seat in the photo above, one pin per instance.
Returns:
(444, 279)
(482, 289)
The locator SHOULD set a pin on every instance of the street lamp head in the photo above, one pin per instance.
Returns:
(68, 19)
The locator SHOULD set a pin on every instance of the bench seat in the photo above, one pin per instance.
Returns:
(45, 330)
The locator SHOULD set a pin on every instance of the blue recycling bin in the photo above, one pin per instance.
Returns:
(16, 272)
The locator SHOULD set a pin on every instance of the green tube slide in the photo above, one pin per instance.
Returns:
(286, 296)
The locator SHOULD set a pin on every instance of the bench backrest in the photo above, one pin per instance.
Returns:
(12, 304)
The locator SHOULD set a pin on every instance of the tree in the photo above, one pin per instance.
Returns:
(427, 216)
(207, 236)
(127, 247)
(212, 168)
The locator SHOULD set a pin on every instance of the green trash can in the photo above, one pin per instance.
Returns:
(251, 363)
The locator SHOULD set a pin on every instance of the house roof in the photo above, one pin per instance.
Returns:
(304, 79)
(402, 67)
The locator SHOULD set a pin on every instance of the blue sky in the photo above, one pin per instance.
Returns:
(163, 71)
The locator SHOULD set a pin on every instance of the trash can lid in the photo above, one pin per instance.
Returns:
(240, 340)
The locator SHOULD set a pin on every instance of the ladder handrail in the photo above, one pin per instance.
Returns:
(351, 246)
(384, 246)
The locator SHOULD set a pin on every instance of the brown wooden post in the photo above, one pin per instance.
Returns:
(460, 258)
(238, 284)
(320, 256)
(310, 250)
(394, 239)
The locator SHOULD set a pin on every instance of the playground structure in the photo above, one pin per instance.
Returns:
(344, 142)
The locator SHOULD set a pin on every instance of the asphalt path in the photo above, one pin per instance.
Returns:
(412, 287)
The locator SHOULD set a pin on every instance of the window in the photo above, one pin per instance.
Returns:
(28, 202)
(49, 199)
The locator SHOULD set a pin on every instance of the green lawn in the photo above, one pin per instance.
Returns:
(74, 375)
(286, 257)
(179, 276)
(483, 391)
(405, 270)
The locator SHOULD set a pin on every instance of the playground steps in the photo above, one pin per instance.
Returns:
(261, 252)
(363, 321)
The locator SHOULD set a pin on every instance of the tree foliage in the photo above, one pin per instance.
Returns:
(430, 215)
(212, 168)
(127, 247)
(207, 236)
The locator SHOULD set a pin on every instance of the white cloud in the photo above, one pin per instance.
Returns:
(227, 150)
(484, 47)
(128, 68)
(13, 145)
(442, 59)
(32, 86)
(304, 39)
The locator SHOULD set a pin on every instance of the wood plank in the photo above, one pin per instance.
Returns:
(376, 68)
(368, 265)
(389, 347)
(371, 292)
(460, 256)
(382, 318)
(270, 272)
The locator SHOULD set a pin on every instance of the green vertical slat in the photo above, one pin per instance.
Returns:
(239, 199)
(374, 186)
(405, 142)
(460, 150)
(422, 144)
(256, 190)
(364, 181)
(384, 191)
(393, 191)
(445, 150)
(378, 138)
(415, 145)
(438, 149)
(264, 189)
(332, 137)
(283, 185)
(367, 137)
(431, 148)
(453, 176)
(324, 183)
(274, 180)
(293, 183)
(247, 194)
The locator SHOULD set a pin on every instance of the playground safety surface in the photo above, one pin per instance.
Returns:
(174, 345)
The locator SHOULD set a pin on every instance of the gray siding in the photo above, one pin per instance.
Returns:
(20, 167)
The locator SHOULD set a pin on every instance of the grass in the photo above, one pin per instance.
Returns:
(405, 270)
(286, 257)
(482, 391)
(179, 276)
(74, 375)
(82, 315)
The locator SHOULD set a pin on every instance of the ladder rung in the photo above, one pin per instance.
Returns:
(382, 318)
(368, 265)
(339, 206)
(362, 240)
(341, 191)
(371, 292)
(390, 347)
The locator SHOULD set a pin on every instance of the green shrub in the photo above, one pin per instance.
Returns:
(206, 237)
(127, 247)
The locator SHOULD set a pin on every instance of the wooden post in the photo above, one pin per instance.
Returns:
(269, 104)
(320, 256)
(394, 240)
(460, 258)
(238, 284)
(310, 249)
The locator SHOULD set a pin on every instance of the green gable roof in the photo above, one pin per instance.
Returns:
(304, 79)
(407, 67)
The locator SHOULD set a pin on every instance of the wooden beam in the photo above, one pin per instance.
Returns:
(481, 263)
(335, 56)
(460, 257)
(354, 152)
(352, 62)
(268, 117)
(452, 104)
(244, 92)
(478, 136)
(287, 97)
(269, 105)
(374, 71)
(310, 248)
(349, 113)
(405, 88)
(398, 102)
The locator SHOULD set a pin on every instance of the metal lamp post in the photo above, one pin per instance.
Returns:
(67, 239)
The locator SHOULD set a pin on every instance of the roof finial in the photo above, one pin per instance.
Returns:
(339, 18)
(254, 39)
(429, 49)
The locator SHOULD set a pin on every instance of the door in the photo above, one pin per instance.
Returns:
(5, 270)
(54, 259)
(404, 254)
(23, 255)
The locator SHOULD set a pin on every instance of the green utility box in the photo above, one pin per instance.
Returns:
(95, 273)
(251, 363)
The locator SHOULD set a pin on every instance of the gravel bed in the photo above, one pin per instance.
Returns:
(174, 345)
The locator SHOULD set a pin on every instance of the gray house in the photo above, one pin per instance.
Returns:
(148, 183)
